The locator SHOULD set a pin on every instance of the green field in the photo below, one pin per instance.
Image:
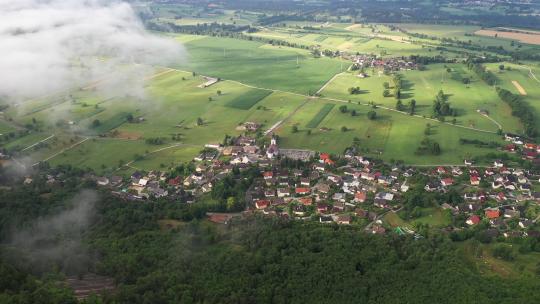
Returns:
(248, 99)
(316, 120)
(267, 84)
(251, 63)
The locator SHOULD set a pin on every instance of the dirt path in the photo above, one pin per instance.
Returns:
(62, 151)
(37, 143)
(494, 121)
(531, 73)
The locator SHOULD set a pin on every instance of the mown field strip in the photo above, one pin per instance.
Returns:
(319, 117)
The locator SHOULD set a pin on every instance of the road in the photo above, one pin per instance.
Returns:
(531, 73)
(37, 143)
(62, 151)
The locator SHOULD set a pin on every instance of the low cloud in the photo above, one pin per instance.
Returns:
(48, 46)
(55, 242)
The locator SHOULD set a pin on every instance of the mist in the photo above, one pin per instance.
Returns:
(49, 46)
(55, 242)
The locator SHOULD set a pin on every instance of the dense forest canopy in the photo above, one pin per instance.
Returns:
(254, 259)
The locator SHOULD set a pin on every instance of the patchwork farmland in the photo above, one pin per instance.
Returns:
(284, 87)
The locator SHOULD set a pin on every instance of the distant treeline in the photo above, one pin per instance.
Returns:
(221, 30)
(479, 143)
(520, 109)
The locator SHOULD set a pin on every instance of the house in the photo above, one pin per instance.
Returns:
(326, 219)
(492, 213)
(361, 213)
(510, 213)
(305, 181)
(269, 193)
(525, 223)
(385, 196)
(219, 218)
(446, 182)
(340, 197)
(142, 182)
(475, 180)
(473, 220)
(268, 175)
(404, 188)
(377, 229)
(299, 210)
(302, 191)
(441, 170)
(344, 219)
(283, 192)
(498, 164)
(306, 201)
(102, 181)
(322, 187)
(262, 204)
(468, 162)
(339, 207)
(322, 208)
(360, 196)
(456, 171)
(324, 158)
(430, 187)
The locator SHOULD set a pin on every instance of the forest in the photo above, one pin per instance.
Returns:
(253, 259)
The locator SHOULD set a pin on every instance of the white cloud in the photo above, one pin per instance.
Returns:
(51, 45)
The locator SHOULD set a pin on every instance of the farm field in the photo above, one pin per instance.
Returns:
(423, 86)
(530, 38)
(248, 62)
(521, 75)
(392, 136)
(269, 84)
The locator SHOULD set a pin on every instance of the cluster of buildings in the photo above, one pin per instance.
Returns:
(348, 189)
(388, 64)
(529, 151)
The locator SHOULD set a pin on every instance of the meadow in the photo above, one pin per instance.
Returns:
(249, 62)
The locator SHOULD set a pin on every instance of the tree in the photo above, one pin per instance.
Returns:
(295, 129)
(399, 105)
(354, 90)
(96, 123)
(386, 85)
(343, 109)
(501, 67)
(231, 203)
(372, 115)
(308, 132)
(200, 121)
(129, 117)
(219, 92)
(466, 80)
(353, 113)
(386, 93)
(344, 129)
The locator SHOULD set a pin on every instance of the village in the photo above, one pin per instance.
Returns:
(345, 190)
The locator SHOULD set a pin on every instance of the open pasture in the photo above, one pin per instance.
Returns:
(248, 99)
(392, 136)
(247, 62)
(522, 75)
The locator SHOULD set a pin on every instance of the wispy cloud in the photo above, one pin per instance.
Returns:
(51, 45)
